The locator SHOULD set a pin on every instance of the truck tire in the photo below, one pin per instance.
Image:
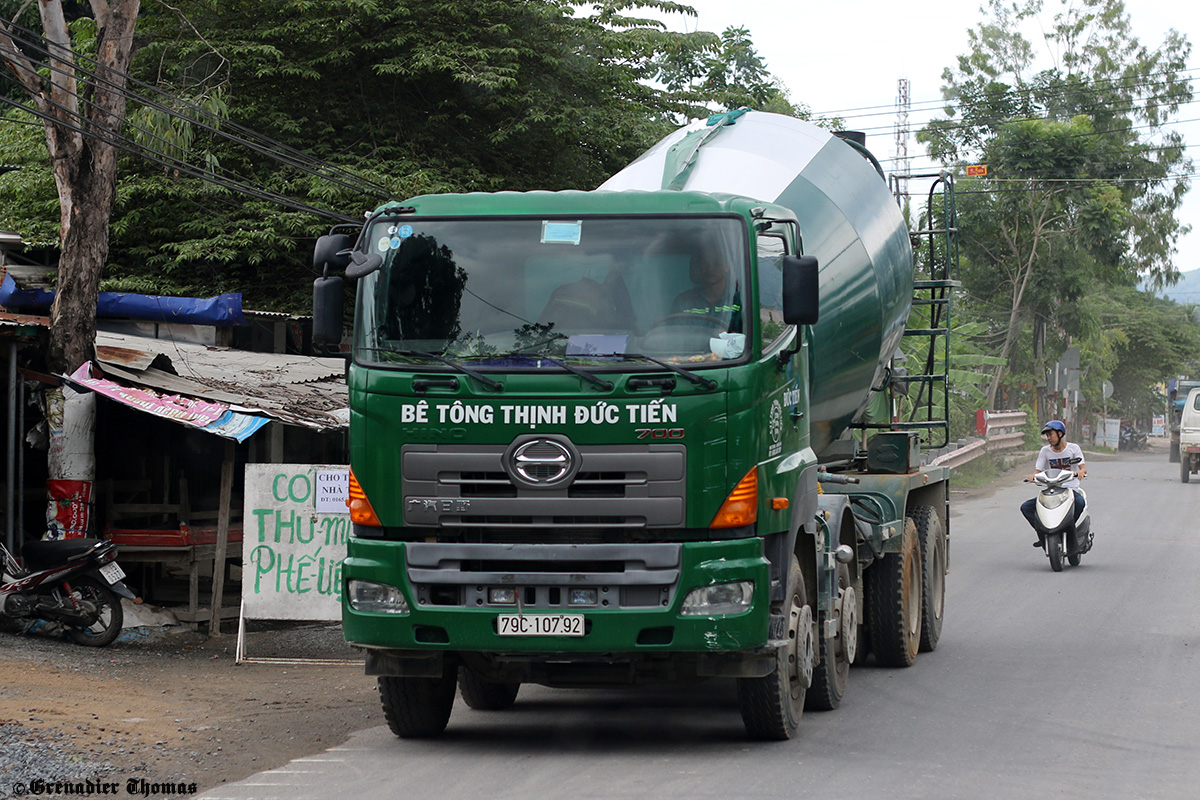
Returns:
(895, 602)
(771, 705)
(484, 695)
(833, 673)
(417, 707)
(1185, 468)
(933, 573)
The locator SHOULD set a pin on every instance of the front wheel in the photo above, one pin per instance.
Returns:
(109, 615)
(771, 705)
(417, 707)
(1054, 549)
(484, 695)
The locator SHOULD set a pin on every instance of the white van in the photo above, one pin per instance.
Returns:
(1189, 436)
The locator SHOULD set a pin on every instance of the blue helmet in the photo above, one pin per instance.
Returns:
(1055, 425)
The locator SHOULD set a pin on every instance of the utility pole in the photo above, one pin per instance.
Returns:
(903, 104)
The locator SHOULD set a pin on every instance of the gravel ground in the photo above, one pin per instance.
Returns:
(169, 707)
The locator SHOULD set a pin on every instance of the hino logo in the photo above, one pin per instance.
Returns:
(541, 462)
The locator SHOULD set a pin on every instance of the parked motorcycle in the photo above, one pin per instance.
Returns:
(1131, 439)
(74, 582)
(1057, 527)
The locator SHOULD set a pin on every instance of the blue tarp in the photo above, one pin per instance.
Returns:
(224, 309)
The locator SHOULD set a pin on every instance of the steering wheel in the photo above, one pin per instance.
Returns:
(691, 319)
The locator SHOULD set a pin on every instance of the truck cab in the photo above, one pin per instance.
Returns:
(1189, 436)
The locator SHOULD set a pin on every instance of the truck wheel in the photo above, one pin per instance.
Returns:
(484, 695)
(1185, 468)
(833, 673)
(416, 707)
(933, 574)
(895, 607)
(1054, 549)
(771, 706)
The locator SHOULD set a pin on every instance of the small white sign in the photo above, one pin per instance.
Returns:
(333, 490)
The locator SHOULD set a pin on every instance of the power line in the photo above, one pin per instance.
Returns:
(250, 139)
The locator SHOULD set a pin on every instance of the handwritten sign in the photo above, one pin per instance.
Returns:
(294, 540)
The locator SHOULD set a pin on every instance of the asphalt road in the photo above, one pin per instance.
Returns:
(1080, 684)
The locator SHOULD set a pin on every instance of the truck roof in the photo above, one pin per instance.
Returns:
(577, 202)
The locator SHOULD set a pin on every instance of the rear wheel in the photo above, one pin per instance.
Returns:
(109, 615)
(833, 673)
(1185, 468)
(417, 707)
(484, 695)
(1073, 559)
(895, 602)
(771, 705)
(933, 573)
(1054, 549)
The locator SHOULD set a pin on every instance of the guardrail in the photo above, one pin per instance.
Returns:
(998, 430)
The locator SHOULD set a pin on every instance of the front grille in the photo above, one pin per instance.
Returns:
(616, 488)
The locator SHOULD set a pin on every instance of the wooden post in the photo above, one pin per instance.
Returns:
(218, 581)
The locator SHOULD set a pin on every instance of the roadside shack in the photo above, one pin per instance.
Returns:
(179, 411)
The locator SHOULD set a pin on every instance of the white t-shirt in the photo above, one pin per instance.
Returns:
(1048, 459)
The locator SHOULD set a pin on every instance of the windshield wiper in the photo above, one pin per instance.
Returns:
(587, 376)
(479, 376)
(702, 382)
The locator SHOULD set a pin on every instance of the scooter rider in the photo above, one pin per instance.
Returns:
(1057, 453)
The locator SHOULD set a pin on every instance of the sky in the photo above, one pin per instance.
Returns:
(845, 59)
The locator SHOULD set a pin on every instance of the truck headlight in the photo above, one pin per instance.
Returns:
(376, 598)
(719, 599)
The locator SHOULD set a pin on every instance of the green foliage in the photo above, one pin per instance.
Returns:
(1147, 339)
(28, 196)
(1080, 197)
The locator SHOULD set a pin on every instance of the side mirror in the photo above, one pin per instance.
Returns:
(331, 251)
(362, 265)
(327, 310)
(800, 290)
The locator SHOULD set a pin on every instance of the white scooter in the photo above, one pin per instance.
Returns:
(1061, 534)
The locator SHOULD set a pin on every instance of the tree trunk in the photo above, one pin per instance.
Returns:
(83, 117)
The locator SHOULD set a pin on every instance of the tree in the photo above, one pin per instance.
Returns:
(1083, 177)
(724, 71)
(75, 80)
(415, 97)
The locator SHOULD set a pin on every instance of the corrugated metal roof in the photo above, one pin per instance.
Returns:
(298, 390)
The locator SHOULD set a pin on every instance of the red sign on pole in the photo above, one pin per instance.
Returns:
(976, 170)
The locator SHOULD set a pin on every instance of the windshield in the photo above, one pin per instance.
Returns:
(500, 291)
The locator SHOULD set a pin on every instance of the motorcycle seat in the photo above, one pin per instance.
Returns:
(41, 554)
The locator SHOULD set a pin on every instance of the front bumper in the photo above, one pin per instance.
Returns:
(640, 613)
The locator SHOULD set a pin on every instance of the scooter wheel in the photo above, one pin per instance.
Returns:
(109, 619)
(1054, 549)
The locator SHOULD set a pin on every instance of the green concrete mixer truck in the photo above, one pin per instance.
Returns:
(646, 433)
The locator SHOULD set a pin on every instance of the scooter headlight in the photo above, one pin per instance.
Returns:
(1055, 500)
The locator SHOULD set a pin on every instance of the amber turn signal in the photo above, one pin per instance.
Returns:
(361, 512)
(741, 506)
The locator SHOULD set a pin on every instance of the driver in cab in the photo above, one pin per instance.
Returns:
(714, 295)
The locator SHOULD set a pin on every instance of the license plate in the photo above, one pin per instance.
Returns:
(112, 572)
(540, 624)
